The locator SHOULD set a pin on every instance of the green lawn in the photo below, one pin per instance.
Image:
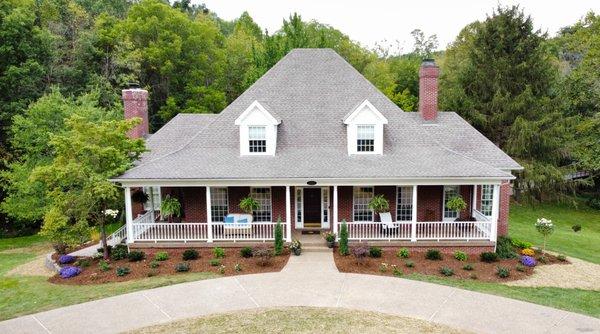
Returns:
(20, 295)
(574, 300)
(584, 244)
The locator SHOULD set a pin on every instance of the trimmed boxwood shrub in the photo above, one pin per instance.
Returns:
(190, 254)
(468, 267)
(446, 271)
(504, 248)
(215, 262)
(119, 252)
(182, 267)
(375, 252)
(460, 256)
(246, 252)
(161, 256)
(218, 253)
(122, 271)
(403, 253)
(64, 259)
(488, 257)
(136, 256)
(433, 254)
(502, 272)
(69, 271)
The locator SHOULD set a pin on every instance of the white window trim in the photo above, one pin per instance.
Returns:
(444, 218)
(213, 200)
(491, 200)
(410, 188)
(257, 115)
(156, 193)
(270, 203)
(354, 203)
(354, 119)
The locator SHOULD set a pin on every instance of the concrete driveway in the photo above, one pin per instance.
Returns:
(308, 280)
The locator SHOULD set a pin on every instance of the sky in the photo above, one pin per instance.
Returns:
(374, 21)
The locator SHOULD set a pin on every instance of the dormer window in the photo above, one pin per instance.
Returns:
(258, 130)
(364, 128)
(365, 138)
(257, 139)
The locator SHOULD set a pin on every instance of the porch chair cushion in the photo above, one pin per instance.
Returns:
(229, 219)
(386, 218)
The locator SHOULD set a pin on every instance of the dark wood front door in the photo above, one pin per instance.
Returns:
(312, 207)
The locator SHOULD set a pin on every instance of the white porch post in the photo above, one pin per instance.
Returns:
(288, 215)
(474, 200)
(128, 215)
(152, 209)
(413, 226)
(335, 210)
(209, 215)
(495, 211)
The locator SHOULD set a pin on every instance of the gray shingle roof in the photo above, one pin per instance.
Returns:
(311, 91)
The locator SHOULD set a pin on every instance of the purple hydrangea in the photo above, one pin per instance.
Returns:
(69, 271)
(64, 259)
(528, 261)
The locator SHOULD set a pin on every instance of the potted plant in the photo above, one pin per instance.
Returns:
(296, 247)
(249, 205)
(330, 238)
(170, 207)
(139, 196)
(456, 203)
(379, 204)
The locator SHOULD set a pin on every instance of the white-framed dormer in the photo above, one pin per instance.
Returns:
(364, 129)
(258, 130)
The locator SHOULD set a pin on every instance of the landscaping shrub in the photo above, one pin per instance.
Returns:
(222, 269)
(521, 244)
(488, 257)
(502, 272)
(154, 264)
(103, 265)
(383, 267)
(161, 256)
(190, 254)
(468, 267)
(246, 252)
(69, 271)
(446, 271)
(101, 250)
(278, 237)
(360, 252)
(375, 252)
(561, 257)
(60, 247)
(403, 253)
(409, 264)
(97, 256)
(263, 255)
(215, 262)
(520, 267)
(528, 252)
(182, 267)
(594, 202)
(65, 259)
(151, 273)
(136, 256)
(218, 253)
(397, 271)
(504, 248)
(83, 263)
(473, 276)
(122, 271)
(237, 267)
(433, 254)
(460, 256)
(528, 261)
(119, 252)
(542, 259)
(576, 228)
(344, 239)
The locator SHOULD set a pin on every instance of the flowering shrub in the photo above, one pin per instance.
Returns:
(383, 267)
(360, 252)
(545, 227)
(111, 213)
(69, 271)
(528, 252)
(528, 261)
(64, 259)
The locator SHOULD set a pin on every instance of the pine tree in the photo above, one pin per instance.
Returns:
(278, 237)
(344, 239)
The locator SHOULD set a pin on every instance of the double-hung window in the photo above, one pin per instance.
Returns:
(360, 199)
(153, 198)
(487, 199)
(257, 139)
(449, 192)
(263, 197)
(404, 204)
(365, 138)
(219, 205)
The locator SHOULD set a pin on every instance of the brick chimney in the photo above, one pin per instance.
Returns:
(135, 103)
(428, 90)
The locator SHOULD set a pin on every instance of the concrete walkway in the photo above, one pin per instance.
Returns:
(309, 280)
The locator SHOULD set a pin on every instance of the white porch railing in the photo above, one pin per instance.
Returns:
(117, 236)
(452, 230)
(257, 231)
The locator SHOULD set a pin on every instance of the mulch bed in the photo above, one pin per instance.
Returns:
(93, 275)
(482, 271)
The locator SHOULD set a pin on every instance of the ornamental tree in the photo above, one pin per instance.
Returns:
(545, 227)
(87, 155)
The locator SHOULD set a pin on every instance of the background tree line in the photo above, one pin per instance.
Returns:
(65, 61)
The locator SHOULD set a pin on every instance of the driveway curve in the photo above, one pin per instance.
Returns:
(308, 280)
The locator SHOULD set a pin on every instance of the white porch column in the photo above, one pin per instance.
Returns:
(495, 212)
(152, 208)
(474, 201)
(288, 215)
(209, 215)
(413, 226)
(335, 210)
(128, 215)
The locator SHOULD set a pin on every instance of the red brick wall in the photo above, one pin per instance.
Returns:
(505, 192)
(389, 192)
(428, 91)
(345, 203)
(278, 203)
(429, 203)
(467, 194)
(135, 104)
(192, 199)
(479, 190)
(234, 196)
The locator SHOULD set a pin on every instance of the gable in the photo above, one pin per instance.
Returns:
(365, 113)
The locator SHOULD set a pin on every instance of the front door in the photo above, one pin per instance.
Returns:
(312, 207)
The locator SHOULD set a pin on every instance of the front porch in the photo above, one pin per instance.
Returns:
(418, 211)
